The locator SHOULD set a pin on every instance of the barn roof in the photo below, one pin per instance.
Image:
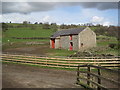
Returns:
(73, 31)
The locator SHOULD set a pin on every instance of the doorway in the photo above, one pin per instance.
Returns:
(71, 46)
(53, 43)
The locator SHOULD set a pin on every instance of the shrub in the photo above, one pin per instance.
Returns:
(112, 45)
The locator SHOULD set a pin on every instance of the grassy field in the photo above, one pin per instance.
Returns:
(103, 43)
(25, 32)
(36, 30)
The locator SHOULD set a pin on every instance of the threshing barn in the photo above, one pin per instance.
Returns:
(73, 39)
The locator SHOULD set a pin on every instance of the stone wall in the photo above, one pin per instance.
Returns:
(65, 42)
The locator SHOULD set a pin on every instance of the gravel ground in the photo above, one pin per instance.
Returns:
(23, 76)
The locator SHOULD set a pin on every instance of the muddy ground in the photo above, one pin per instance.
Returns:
(24, 48)
(23, 76)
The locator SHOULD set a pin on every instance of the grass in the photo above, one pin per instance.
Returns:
(103, 44)
(105, 40)
(110, 51)
(25, 32)
(71, 69)
(60, 52)
(93, 28)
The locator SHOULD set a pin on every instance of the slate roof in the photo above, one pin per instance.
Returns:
(73, 31)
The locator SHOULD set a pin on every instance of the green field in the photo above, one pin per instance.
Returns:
(25, 32)
(33, 30)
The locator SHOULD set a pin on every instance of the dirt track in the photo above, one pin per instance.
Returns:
(22, 76)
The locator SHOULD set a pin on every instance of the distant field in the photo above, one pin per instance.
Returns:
(105, 40)
(25, 32)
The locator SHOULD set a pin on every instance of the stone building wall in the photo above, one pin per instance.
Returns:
(87, 39)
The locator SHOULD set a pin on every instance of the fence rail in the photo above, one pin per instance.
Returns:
(59, 62)
(99, 77)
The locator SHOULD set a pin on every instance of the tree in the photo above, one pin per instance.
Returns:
(54, 27)
(63, 26)
(36, 23)
(41, 23)
(46, 26)
(101, 30)
(29, 22)
(113, 31)
(25, 23)
(4, 26)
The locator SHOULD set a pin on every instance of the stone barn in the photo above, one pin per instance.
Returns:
(73, 39)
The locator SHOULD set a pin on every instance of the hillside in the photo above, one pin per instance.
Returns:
(34, 31)
(14, 31)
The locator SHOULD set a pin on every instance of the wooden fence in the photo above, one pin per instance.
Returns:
(89, 75)
(58, 62)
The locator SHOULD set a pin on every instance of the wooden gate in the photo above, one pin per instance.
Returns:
(91, 80)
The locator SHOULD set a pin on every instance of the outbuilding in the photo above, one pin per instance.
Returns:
(73, 39)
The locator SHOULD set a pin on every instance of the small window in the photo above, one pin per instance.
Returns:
(81, 44)
(71, 43)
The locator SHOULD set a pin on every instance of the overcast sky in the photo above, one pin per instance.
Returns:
(105, 13)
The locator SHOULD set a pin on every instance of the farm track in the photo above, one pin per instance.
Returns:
(23, 76)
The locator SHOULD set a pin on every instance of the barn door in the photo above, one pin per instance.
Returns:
(53, 43)
(71, 46)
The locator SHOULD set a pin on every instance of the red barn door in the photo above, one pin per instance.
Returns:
(71, 46)
(53, 43)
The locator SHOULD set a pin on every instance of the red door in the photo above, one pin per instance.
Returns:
(53, 43)
(70, 37)
(71, 46)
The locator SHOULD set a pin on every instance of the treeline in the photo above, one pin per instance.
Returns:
(25, 24)
(113, 31)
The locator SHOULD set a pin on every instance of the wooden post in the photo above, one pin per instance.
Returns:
(78, 73)
(88, 75)
(46, 62)
(99, 80)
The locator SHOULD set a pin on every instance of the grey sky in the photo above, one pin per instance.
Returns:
(28, 7)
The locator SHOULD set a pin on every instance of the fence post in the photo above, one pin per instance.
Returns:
(88, 75)
(99, 80)
(46, 61)
(78, 73)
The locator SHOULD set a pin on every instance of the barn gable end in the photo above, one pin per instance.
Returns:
(87, 39)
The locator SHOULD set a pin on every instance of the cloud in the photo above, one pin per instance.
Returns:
(100, 20)
(46, 19)
(0, 18)
(29, 7)
(96, 19)
(100, 5)
(107, 23)
(26, 7)
(16, 18)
